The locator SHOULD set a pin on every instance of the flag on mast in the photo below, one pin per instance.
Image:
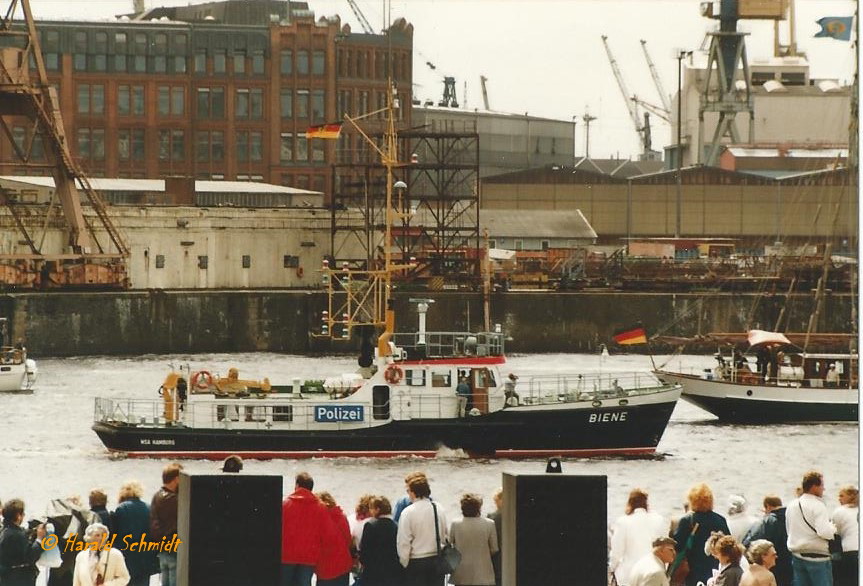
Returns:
(332, 130)
(630, 336)
(835, 27)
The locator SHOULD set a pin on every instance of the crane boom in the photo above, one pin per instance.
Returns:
(630, 105)
(367, 28)
(660, 112)
(482, 80)
(666, 102)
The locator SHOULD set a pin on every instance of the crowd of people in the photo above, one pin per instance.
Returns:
(801, 544)
(381, 544)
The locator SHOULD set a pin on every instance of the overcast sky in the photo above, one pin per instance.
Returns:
(545, 57)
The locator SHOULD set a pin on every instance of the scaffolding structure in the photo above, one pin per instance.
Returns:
(439, 234)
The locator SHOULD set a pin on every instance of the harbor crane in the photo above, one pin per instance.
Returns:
(482, 80)
(364, 23)
(643, 129)
(663, 96)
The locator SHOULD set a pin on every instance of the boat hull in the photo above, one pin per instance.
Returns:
(518, 432)
(14, 379)
(753, 403)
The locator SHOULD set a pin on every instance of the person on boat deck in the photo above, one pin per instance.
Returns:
(832, 377)
(511, 398)
(462, 391)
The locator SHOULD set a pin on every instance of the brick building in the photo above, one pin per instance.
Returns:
(220, 90)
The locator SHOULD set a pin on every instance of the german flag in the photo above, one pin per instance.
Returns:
(324, 131)
(629, 336)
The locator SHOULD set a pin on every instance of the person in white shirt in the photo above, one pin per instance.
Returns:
(650, 569)
(633, 535)
(809, 529)
(846, 517)
(103, 567)
(420, 536)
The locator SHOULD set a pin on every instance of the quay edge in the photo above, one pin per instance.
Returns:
(193, 321)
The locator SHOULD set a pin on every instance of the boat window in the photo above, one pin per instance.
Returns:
(283, 413)
(484, 379)
(415, 377)
(442, 379)
(381, 402)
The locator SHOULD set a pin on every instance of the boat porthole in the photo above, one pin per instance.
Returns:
(623, 402)
(749, 393)
(597, 403)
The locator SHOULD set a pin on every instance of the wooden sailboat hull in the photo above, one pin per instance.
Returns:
(736, 402)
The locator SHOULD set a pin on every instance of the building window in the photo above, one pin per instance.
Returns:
(139, 64)
(163, 100)
(120, 63)
(345, 102)
(160, 43)
(318, 62)
(302, 103)
(200, 62)
(179, 64)
(171, 100)
(124, 144)
(290, 261)
(91, 99)
(287, 62)
(160, 64)
(287, 104)
(172, 145)
(302, 148)
(545, 244)
(202, 146)
(217, 146)
(242, 146)
(286, 148)
(256, 146)
(247, 261)
(138, 144)
(303, 62)
(364, 103)
(519, 245)
(241, 104)
(178, 100)
(91, 144)
(258, 63)
(130, 100)
(217, 103)
(239, 63)
(317, 105)
(203, 103)
(220, 60)
(79, 57)
(140, 43)
(318, 151)
(160, 261)
(203, 262)
(256, 97)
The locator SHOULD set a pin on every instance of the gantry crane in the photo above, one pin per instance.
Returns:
(26, 94)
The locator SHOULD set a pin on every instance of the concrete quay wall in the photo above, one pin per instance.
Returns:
(157, 321)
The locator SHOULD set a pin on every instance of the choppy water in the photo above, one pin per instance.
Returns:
(47, 449)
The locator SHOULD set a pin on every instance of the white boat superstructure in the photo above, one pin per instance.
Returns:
(17, 372)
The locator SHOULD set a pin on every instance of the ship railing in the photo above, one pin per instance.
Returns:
(445, 344)
(750, 377)
(129, 411)
(557, 388)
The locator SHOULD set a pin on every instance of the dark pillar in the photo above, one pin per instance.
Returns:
(554, 530)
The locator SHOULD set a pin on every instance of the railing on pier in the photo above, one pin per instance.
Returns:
(448, 344)
(558, 388)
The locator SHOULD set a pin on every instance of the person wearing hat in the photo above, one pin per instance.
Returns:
(511, 398)
(832, 378)
(650, 570)
(738, 519)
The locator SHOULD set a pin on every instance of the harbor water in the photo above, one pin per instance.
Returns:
(47, 449)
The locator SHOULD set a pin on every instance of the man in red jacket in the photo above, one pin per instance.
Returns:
(304, 523)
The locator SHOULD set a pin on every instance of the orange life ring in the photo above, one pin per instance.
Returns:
(202, 380)
(393, 374)
(300, 272)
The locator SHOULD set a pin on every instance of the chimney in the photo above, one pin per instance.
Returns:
(138, 6)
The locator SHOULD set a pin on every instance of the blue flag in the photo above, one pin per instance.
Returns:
(836, 27)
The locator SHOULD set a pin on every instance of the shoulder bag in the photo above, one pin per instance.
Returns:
(448, 557)
(834, 546)
(678, 569)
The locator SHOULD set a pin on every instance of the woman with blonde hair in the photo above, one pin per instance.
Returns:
(105, 566)
(131, 523)
(846, 517)
(693, 531)
(762, 557)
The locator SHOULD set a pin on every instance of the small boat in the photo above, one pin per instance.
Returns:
(784, 385)
(17, 372)
(407, 405)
